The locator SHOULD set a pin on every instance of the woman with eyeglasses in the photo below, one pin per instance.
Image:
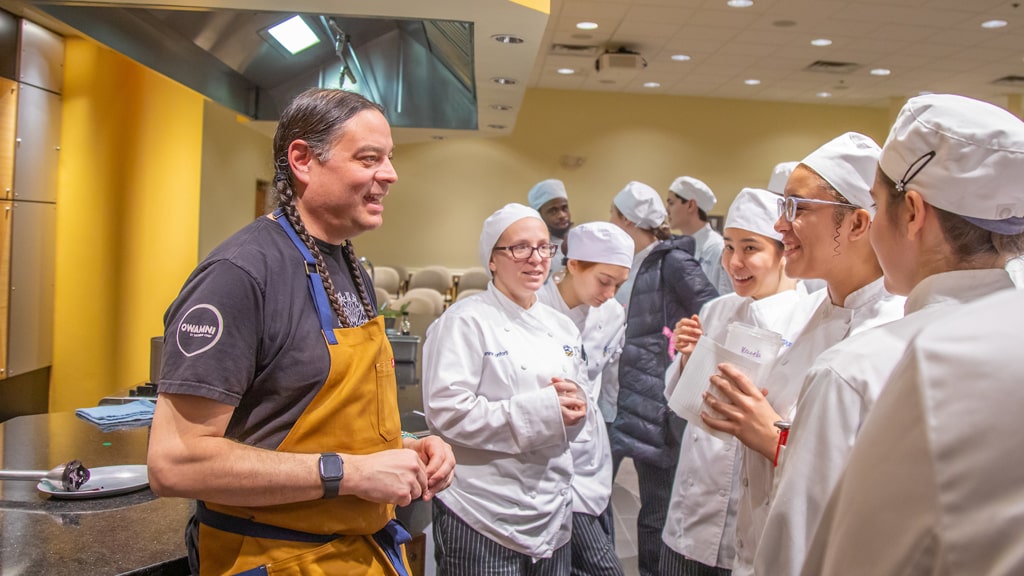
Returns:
(666, 284)
(599, 255)
(824, 222)
(699, 536)
(500, 373)
(946, 192)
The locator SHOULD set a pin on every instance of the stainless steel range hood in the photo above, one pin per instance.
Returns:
(421, 71)
(430, 64)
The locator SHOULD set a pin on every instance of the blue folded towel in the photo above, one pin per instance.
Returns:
(137, 412)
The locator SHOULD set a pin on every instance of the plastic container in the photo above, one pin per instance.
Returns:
(753, 342)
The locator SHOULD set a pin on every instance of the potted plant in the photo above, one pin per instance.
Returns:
(391, 313)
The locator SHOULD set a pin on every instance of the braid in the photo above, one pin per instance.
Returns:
(357, 278)
(287, 204)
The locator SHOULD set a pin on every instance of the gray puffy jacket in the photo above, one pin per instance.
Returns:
(670, 285)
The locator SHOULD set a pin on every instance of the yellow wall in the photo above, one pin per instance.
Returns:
(234, 156)
(447, 188)
(127, 219)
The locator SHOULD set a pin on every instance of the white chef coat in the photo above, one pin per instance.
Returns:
(701, 522)
(839, 391)
(1015, 267)
(932, 486)
(626, 290)
(603, 330)
(709, 253)
(865, 308)
(487, 368)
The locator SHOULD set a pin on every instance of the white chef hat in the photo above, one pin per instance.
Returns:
(689, 188)
(780, 175)
(601, 242)
(755, 210)
(848, 163)
(963, 156)
(545, 191)
(641, 205)
(496, 224)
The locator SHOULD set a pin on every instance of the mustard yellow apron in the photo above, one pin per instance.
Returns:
(356, 412)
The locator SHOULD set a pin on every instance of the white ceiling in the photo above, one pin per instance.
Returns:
(929, 45)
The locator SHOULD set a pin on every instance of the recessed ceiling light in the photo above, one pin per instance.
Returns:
(566, 71)
(496, 126)
(880, 71)
(652, 85)
(501, 107)
(587, 25)
(504, 81)
(751, 81)
(507, 39)
(740, 3)
(294, 34)
(993, 24)
(680, 57)
(821, 42)
(824, 94)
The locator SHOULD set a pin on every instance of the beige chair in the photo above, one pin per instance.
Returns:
(387, 279)
(474, 279)
(467, 293)
(421, 301)
(382, 296)
(434, 277)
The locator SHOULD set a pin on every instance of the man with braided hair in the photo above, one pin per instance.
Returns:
(278, 405)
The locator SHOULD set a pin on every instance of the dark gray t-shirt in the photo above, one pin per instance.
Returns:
(243, 331)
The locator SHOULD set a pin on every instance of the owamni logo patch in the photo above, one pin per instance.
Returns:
(200, 329)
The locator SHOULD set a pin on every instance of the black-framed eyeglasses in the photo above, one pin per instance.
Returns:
(525, 251)
(788, 205)
(916, 166)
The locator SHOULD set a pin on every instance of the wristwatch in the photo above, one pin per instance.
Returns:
(332, 470)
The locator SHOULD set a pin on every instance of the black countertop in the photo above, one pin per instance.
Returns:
(135, 533)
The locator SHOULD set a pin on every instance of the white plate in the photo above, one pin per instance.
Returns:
(103, 481)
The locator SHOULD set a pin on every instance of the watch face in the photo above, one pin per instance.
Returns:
(330, 467)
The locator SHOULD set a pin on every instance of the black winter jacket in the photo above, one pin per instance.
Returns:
(669, 286)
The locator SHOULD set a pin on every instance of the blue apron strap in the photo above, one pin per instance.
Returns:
(390, 539)
(316, 283)
(257, 571)
(252, 528)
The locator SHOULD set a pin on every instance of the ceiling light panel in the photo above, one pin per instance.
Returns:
(294, 34)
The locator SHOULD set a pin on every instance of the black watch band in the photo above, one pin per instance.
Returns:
(332, 470)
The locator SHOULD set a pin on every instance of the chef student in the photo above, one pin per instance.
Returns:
(500, 373)
(948, 181)
(667, 284)
(599, 256)
(700, 533)
(932, 486)
(824, 220)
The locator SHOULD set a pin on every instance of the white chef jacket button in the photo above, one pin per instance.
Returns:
(507, 329)
(522, 366)
(739, 543)
(563, 491)
(532, 494)
(691, 482)
(745, 482)
(721, 493)
(695, 438)
(785, 361)
(550, 335)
